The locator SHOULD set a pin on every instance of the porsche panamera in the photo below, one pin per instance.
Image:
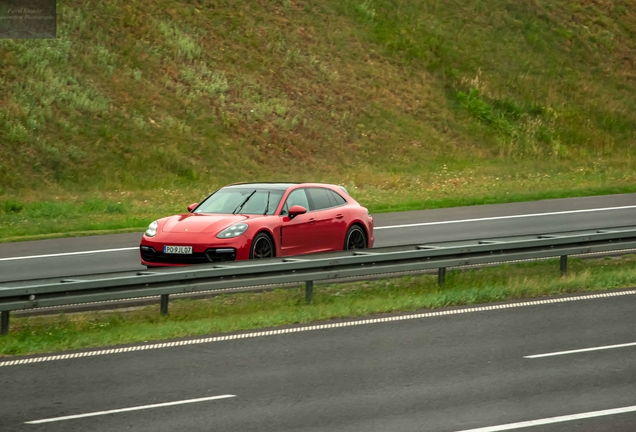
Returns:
(259, 220)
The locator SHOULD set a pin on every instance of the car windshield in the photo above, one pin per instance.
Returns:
(241, 200)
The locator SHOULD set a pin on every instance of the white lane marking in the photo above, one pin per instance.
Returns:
(558, 353)
(137, 408)
(551, 420)
(375, 228)
(69, 253)
(309, 328)
(505, 217)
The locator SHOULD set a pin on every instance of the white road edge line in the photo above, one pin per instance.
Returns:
(137, 408)
(551, 420)
(558, 353)
(309, 328)
(375, 228)
(69, 254)
(505, 217)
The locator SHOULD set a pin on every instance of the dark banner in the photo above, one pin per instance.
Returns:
(27, 19)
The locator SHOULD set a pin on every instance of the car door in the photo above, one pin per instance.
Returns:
(339, 213)
(298, 235)
(330, 218)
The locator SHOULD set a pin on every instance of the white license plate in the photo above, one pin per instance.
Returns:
(177, 249)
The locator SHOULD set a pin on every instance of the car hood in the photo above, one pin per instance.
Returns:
(201, 223)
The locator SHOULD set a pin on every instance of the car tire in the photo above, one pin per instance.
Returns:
(355, 238)
(262, 247)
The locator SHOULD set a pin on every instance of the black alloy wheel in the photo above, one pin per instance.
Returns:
(262, 247)
(355, 238)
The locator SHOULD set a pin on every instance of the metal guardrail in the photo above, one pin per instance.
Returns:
(307, 269)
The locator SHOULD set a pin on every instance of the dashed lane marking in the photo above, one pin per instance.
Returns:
(68, 254)
(494, 218)
(582, 350)
(308, 328)
(552, 420)
(136, 408)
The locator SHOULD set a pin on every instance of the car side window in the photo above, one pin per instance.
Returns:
(320, 198)
(339, 200)
(296, 197)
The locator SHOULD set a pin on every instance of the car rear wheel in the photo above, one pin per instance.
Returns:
(262, 247)
(355, 238)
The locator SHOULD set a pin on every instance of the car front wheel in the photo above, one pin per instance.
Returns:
(262, 247)
(355, 238)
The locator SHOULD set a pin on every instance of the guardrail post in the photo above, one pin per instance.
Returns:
(309, 291)
(164, 304)
(4, 323)
(441, 276)
(564, 264)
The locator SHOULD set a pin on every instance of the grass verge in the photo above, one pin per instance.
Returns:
(228, 313)
(408, 103)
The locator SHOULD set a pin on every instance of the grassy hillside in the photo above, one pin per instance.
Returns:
(141, 107)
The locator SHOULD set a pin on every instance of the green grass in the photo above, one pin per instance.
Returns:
(408, 103)
(229, 313)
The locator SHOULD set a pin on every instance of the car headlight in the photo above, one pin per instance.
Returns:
(233, 231)
(152, 229)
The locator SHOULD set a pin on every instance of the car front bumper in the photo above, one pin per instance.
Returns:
(152, 254)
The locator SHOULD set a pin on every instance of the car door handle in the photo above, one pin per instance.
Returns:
(312, 221)
(339, 216)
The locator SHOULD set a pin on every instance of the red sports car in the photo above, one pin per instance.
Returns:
(259, 220)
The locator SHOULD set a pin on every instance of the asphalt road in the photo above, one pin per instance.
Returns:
(450, 372)
(118, 253)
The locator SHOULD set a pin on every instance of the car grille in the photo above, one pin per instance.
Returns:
(149, 254)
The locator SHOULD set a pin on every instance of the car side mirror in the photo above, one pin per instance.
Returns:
(295, 210)
(192, 207)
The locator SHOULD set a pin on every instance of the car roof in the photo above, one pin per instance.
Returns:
(276, 186)
(281, 186)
